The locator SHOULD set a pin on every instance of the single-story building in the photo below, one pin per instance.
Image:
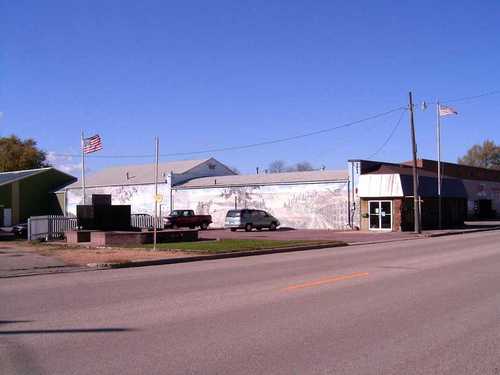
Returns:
(134, 184)
(384, 193)
(368, 195)
(310, 199)
(315, 199)
(30, 193)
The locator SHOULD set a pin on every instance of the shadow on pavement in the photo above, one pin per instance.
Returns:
(57, 331)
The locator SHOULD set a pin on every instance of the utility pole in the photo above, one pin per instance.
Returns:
(416, 205)
(157, 152)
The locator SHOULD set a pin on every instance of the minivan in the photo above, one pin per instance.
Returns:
(248, 219)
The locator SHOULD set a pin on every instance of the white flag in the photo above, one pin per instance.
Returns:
(444, 110)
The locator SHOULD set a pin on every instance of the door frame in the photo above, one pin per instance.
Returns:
(380, 216)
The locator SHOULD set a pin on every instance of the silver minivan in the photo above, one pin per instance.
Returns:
(248, 219)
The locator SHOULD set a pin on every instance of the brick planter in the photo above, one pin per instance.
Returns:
(120, 238)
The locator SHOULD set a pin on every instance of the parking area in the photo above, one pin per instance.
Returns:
(306, 235)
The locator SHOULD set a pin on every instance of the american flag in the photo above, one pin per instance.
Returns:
(92, 144)
(444, 110)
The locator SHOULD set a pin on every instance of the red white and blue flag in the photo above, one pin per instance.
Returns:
(444, 110)
(92, 144)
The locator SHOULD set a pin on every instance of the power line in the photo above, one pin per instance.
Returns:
(391, 134)
(466, 98)
(250, 145)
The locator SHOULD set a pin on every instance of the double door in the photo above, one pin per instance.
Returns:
(380, 215)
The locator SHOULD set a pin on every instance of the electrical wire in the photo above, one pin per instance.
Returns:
(466, 98)
(391, 134)
(250, 145)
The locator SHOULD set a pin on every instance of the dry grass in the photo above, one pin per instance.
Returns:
(78, 255)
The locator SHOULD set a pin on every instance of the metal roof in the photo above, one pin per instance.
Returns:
(136, 174)
(266, 179)
(8, 177)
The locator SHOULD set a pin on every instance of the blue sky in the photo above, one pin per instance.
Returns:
(211, 74)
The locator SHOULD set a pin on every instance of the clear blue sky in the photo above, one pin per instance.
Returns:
(209, 74)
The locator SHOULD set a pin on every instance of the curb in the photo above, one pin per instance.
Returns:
(196, 258)
(424, 236)
(465, 231)
(64, 269)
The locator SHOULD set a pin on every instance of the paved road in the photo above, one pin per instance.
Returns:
(17, 262)
(427, 306)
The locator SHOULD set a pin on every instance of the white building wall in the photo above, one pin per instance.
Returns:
(307, 206)
(140, 197)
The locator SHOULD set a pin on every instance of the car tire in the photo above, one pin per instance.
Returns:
(204, 226)
(248, 227)
(272, 226)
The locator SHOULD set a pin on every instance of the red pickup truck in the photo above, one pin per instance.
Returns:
(186, 218)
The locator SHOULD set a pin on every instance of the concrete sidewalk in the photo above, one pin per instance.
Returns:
(349, 236)
(16, 262)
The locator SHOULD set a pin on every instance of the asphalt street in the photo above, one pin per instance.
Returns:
(426, 306)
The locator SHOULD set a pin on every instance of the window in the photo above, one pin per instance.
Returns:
(380, 215)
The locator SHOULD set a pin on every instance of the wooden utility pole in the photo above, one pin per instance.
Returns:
(416, 205)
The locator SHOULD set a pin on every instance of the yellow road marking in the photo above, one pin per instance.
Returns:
(328, 280)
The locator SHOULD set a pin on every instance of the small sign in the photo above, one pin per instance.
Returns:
(159, 198)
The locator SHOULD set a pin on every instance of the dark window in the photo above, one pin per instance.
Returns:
(233, 213)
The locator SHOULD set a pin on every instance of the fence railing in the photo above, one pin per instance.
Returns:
(145, 221)
(49, 227)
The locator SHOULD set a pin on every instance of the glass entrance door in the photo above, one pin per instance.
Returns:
(380, 215)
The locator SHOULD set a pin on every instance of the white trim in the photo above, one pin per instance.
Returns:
(380, 229)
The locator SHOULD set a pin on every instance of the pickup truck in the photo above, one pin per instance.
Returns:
(186, 218)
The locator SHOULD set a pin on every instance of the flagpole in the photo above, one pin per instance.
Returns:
(82, 145)
(157, 151)
(438, 138)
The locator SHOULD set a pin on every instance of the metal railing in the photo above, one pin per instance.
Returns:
(52, 227)
(49, 227)
(145, 221)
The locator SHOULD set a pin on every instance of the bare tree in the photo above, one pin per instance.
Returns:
(277, 166)
(304, 166)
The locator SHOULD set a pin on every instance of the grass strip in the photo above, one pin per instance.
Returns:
(235, 245)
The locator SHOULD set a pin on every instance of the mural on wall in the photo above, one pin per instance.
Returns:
(308, 206)
(140, 197)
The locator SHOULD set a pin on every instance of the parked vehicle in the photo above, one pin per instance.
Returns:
(248, 219)
(187, 218)
(20, 230)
